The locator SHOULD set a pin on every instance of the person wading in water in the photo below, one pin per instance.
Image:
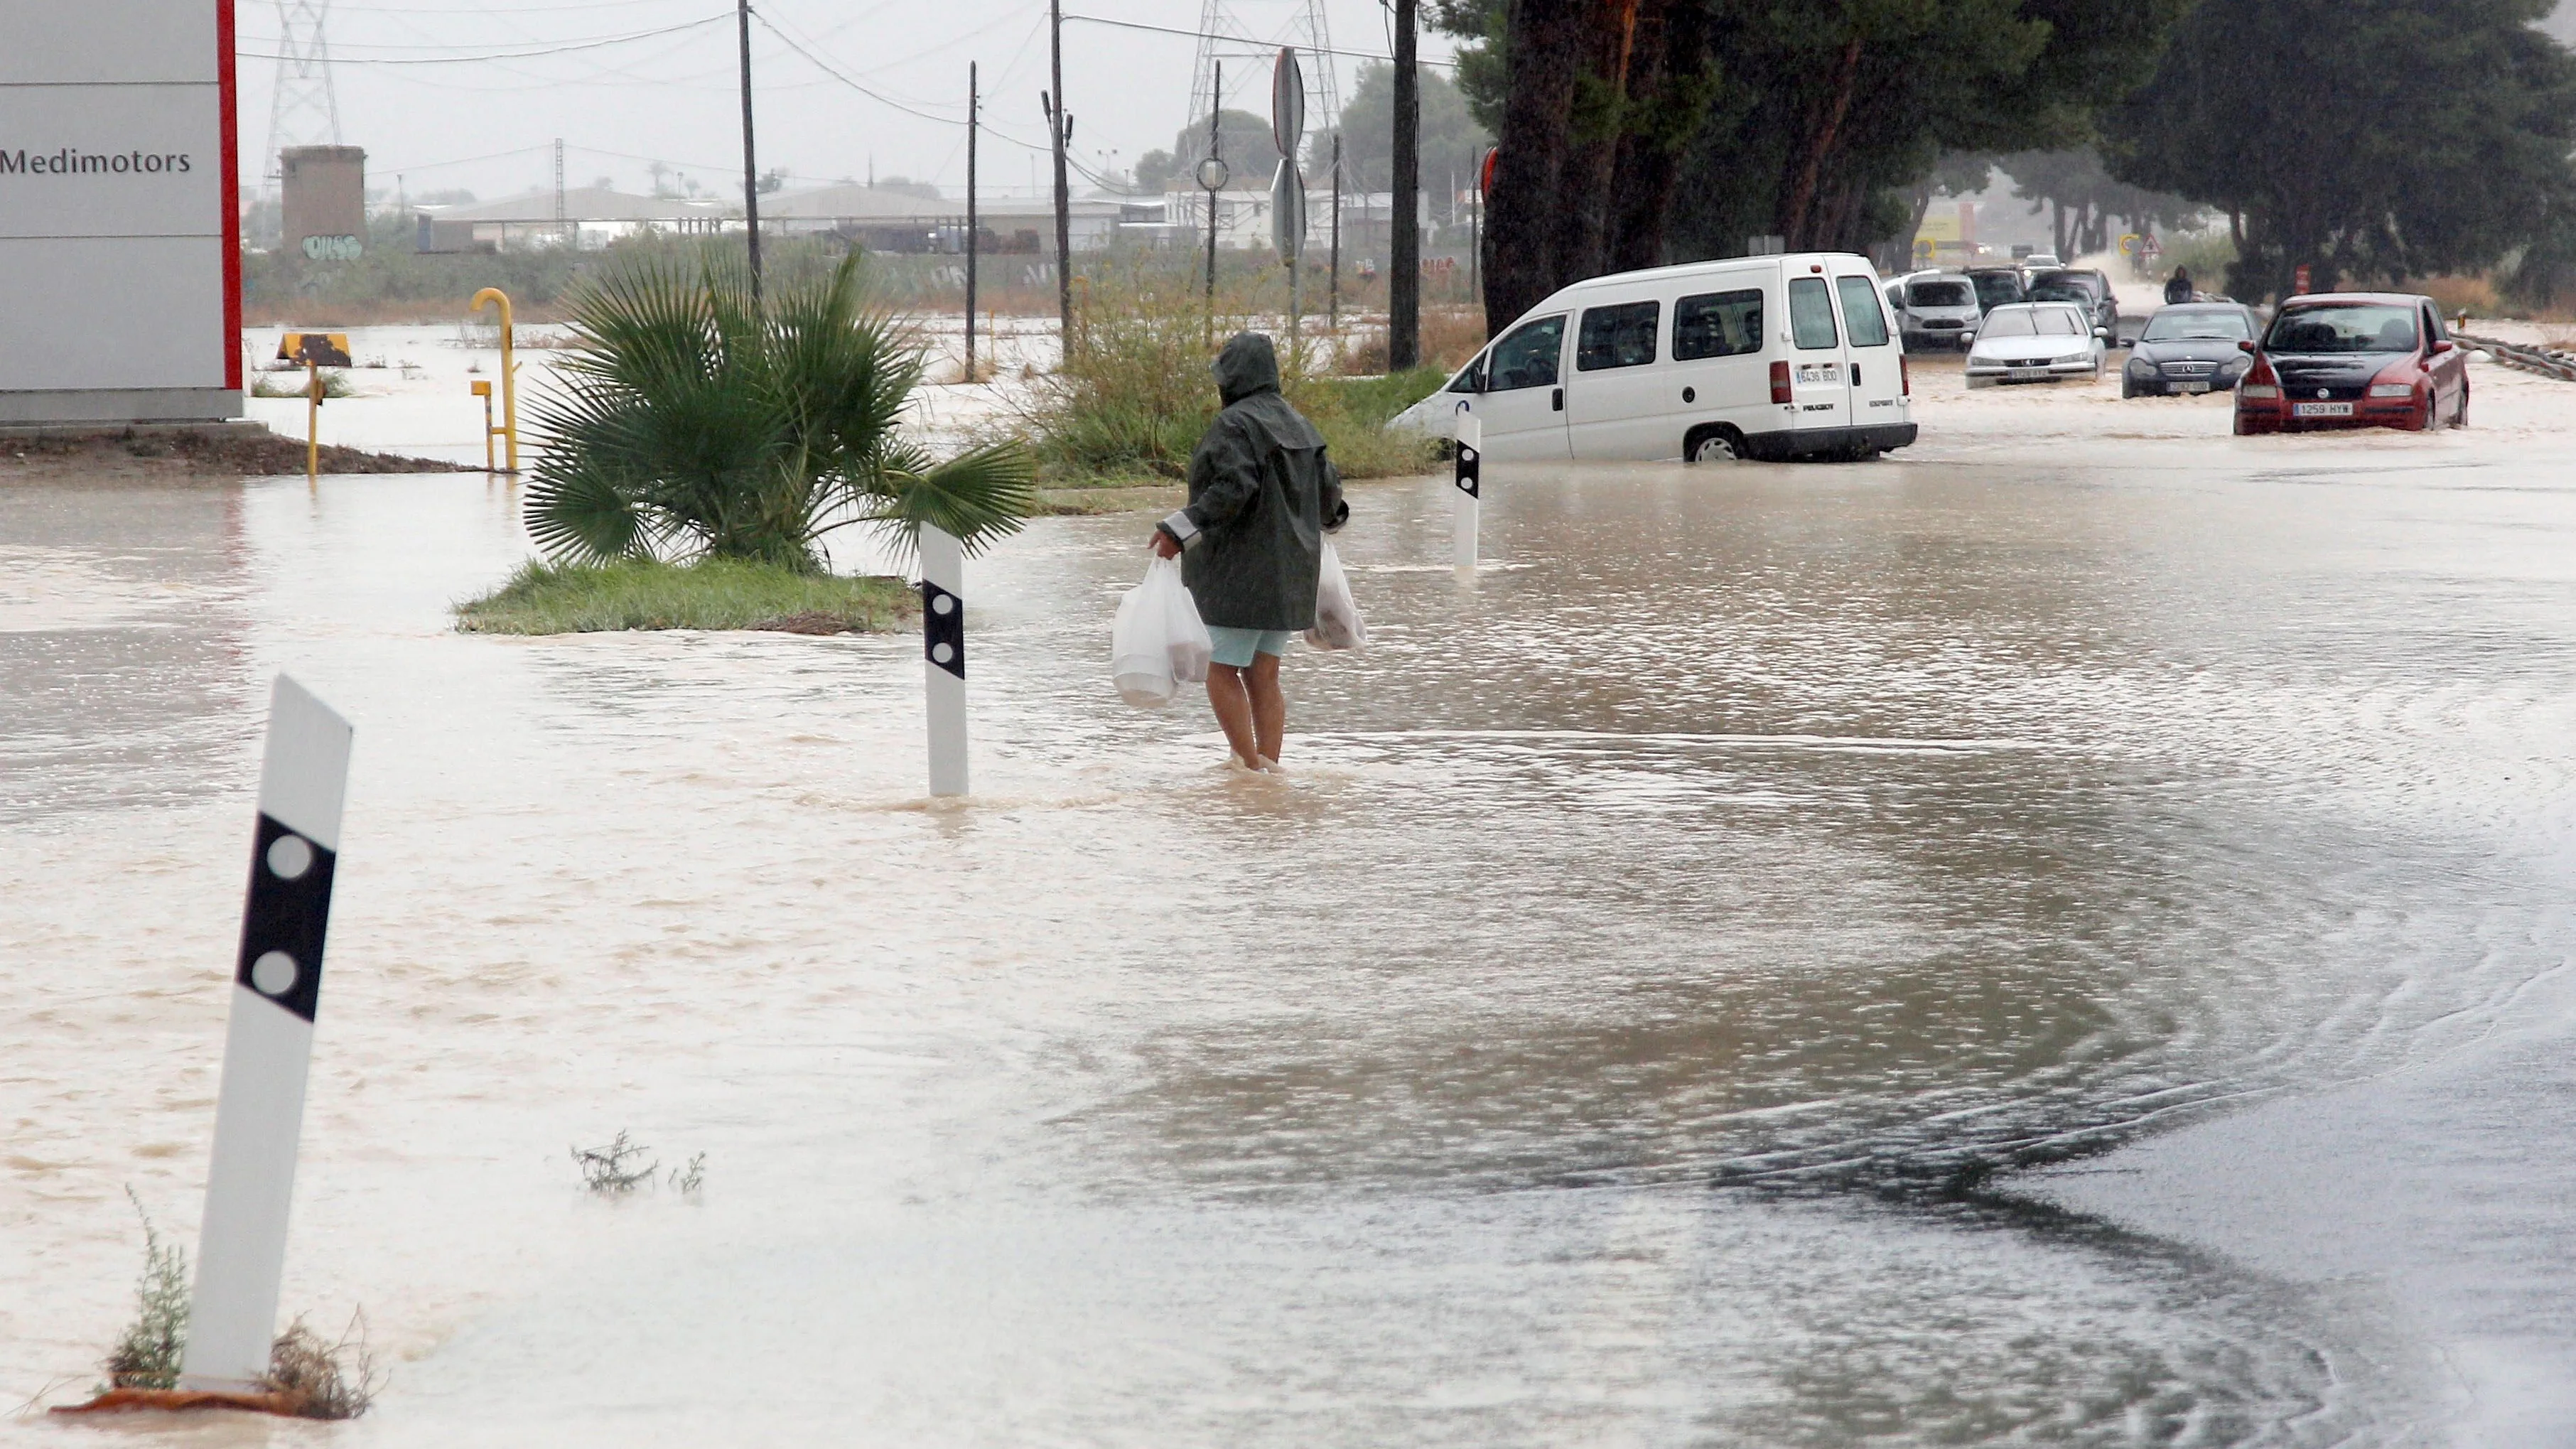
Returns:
(1251, 542)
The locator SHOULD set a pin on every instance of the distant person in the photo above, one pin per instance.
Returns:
(1251, 542)
(2179, 290)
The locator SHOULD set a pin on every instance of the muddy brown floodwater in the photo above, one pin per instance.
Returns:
(1996, 945)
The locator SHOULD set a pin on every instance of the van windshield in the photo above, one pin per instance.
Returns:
(1996, 289)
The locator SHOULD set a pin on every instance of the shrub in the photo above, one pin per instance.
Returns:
(693, 420)
(147, 1354)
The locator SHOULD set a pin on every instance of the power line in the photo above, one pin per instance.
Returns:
(563, 49)
(1256, 47)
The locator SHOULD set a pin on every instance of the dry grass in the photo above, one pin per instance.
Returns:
(2454, 295)
(323, 1380)
(1132, 399)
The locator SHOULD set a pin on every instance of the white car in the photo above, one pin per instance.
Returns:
(2037, 342)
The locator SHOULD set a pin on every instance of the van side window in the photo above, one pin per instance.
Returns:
(1471, 378)
(1717, 324)
(1527, 357)
(1618, 336)
(1861, 317)
(1811, 313)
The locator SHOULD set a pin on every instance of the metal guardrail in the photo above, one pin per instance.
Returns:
(2547, 361)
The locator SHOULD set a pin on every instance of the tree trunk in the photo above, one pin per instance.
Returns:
(1598, 116)
(1797, 208)
(1646, 165)
(1542, 40)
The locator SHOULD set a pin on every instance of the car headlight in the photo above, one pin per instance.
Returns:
(2392, 389)
(2140, 367)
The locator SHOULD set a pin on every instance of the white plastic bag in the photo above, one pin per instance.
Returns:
(1157, 643)
(1338, 624)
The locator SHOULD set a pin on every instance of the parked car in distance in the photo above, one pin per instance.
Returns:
(1771, 357)
(1997, 286)
(2036, 342)
(1936, 309)
(2191, 347)
(2354, 360)
(2088, 289)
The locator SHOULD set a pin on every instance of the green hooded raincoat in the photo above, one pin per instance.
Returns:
(1262, 497)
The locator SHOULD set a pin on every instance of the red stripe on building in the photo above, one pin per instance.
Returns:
(230, 231)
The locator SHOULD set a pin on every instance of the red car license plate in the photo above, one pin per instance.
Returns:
(2322, 410)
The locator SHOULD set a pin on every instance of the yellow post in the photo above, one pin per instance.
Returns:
(312, 422)
(483, 390)
(509, 375)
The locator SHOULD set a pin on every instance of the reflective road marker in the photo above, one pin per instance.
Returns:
(277, 983)
(1470, 480)
(943, 657)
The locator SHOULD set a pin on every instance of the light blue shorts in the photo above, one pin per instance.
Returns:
(1235, 647)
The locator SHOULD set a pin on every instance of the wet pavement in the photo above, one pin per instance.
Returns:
(2055, 937)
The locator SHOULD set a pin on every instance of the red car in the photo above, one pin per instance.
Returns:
(2354, 360)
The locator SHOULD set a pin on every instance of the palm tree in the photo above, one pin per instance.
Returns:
(693, 421)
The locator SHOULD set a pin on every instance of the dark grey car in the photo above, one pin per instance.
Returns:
(2191, 347)
(2088, 289)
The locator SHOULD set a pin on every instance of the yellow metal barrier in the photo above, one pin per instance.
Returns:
(509, 429)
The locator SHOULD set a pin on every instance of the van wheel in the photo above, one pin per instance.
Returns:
(1717, 445)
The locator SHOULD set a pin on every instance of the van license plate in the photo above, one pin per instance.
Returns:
(2322, 410)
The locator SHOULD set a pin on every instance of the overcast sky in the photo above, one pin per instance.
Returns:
(671, 97)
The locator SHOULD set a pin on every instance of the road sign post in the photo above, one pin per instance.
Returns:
(943, 657)
(1470, 482)
(1287, 186)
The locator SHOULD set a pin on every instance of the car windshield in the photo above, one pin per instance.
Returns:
(2173, 326)
(2009, 322)
(1939, 294)
(2061, 289)
(2344, 327)
(1996, 289)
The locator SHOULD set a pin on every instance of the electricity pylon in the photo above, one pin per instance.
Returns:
(1222, 34)
(304, 110)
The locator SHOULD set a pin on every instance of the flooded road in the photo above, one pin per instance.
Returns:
(1701, 982)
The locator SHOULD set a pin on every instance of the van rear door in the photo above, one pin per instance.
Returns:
(1869, 350)
(1819, 372)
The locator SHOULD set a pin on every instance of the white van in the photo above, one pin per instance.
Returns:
(1758, 357)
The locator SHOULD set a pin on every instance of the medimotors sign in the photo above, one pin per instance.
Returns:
(120, 263)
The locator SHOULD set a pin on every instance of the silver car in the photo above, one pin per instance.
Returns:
(2037, 342)
(1935, 309)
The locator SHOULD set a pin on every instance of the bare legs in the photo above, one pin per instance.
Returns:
(1250, 709)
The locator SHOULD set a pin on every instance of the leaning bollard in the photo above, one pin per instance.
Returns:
(277, 981)
(943, 650)
(1470, 481)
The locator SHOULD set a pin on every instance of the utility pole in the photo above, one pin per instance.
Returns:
(973, 233)
(1060, 131)
(1404, 230)
(1333, 284)
(750, 162)
(1212, 177)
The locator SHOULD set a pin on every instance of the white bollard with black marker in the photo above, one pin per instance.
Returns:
(1470, 479)
(277, 983)
(943, 650)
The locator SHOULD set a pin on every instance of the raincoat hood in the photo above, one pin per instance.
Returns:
(1245, 367)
